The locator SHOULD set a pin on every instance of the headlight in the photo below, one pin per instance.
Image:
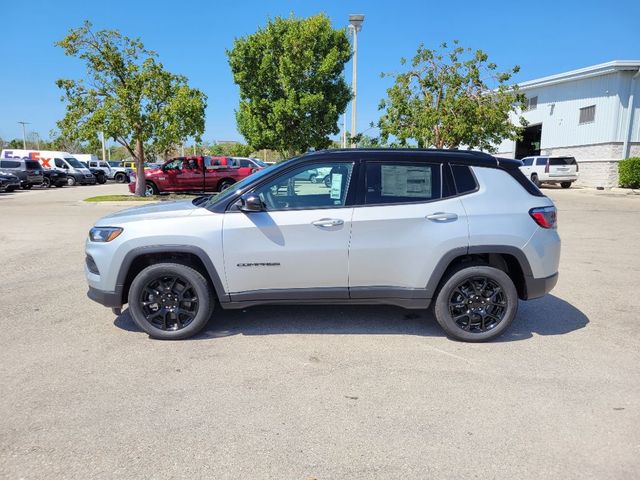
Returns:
(104, 234)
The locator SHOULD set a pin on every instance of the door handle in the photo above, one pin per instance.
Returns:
(328, 222)
(442, 217)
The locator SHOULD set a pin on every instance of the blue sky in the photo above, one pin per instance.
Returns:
(543, 37)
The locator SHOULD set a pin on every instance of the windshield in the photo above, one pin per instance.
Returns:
(229, 192)
(73, 162)
(259, 162)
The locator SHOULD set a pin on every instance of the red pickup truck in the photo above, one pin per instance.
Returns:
(193, 174)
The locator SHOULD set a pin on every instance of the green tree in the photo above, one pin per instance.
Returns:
(292, 90)
(450, 98)
(128, 95)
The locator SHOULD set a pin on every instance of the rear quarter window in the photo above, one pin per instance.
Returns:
(464, 179)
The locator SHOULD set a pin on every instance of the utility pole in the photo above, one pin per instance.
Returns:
(24, 135)
(344, 130)
(355, 25)
(103, 149)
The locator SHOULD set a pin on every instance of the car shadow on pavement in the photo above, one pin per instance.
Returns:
(549, 315)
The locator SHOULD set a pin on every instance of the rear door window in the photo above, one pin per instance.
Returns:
(541, 161)
(32, 165)
(562, 161)
(399, 182)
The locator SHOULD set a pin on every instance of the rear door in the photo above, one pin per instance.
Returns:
(403, 228)
(562, 167)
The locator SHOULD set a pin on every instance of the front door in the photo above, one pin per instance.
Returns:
(298, 246)
(403, 229)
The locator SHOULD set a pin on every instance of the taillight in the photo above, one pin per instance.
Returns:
(546, 167)
(546, 217)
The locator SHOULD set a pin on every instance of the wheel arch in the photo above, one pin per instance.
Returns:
(223, 180)
(139, 258)
(507, 258)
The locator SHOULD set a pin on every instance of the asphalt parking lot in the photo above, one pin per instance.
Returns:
(317, 392)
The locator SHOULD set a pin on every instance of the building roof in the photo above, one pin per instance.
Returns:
(581, 73)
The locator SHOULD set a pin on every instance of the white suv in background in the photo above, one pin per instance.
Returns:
(462, 231)
(562, 170)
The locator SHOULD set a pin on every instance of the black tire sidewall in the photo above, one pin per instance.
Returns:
(119, 178)
(441, 305)
(46, 183)
(565, 184)
(535, 180)
(198, 282)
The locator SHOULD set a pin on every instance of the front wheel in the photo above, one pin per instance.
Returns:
(565, 184)
(313, 178)
(101, 179)
(327, 181)
(476, 303)
(46, 182)
(170, 301)
(535, 180)
(120, 177)
(71, 181)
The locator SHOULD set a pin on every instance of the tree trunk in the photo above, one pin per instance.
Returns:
(141, 185)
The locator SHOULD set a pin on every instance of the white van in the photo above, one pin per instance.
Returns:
(52, 160)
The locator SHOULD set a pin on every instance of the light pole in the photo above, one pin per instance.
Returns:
(355, 25)
(24, 134)
(103, 149)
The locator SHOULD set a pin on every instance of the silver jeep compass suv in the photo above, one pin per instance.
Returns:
(462, 231)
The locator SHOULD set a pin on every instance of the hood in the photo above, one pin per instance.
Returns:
(179, 208)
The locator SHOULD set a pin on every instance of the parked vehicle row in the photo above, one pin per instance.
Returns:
(196, 174)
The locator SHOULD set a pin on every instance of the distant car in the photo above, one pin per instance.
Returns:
(28, 171)
(543, 169)
(254, 163)
(101, 178)
(8, 181)
(120, 174)
(54, 178)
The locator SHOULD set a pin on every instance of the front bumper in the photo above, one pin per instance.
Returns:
(538, 287)
(108, 299)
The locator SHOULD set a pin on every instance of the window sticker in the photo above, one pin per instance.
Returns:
(405, 181)
(336, 186)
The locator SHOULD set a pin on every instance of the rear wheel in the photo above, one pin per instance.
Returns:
(151, 189)
(71, 181)
(565, 184)
(170, 301)
(313, 178)
(224, 184)
(476, 303)
(535, 180)
(327, 181)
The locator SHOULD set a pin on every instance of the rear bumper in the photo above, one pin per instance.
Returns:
(537, 287)
(108, 299)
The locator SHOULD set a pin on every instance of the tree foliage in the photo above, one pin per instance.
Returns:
(450, 98)
(128, 95)
(292, 90)
(231, 149)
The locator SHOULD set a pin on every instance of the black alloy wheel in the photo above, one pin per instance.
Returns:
(477, 304)
(169, 302)
(46, 182)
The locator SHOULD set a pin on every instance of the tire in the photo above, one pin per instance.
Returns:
(159, 319)
(565, 184)
(101, 179)
(60, 184)
(225, 184)
(120, 177)
(327, 181)
(27, 187)
(11, 188)
(535, 180)
(71, 181)
(46, 182)
(313, 179)
(151, 189)
(457, 317)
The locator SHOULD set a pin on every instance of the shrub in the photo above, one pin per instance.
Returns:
(629, 172)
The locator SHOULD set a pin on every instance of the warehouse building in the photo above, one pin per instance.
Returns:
(592, 114)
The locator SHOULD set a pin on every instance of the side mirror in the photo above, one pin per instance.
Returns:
(250, 202)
